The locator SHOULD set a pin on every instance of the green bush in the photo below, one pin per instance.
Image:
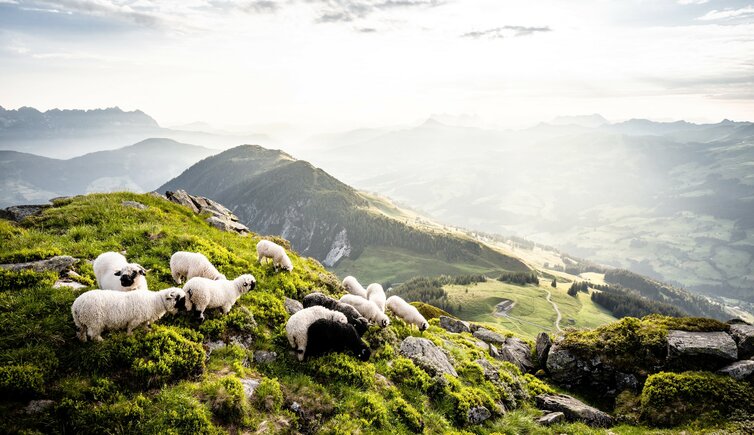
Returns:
(536, 387)
(670, 399)
(456, 400)
(177, 412)
(343, 368)
(26, 279)
(407, 413)
(404, 372)
(25, 255)
(121, 416)
(268, 395)
(21, 380)
(227, 400)
(372, 409)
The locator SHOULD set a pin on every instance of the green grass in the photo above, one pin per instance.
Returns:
(532, 313)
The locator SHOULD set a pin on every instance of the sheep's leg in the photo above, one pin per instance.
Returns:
(81, 333)
(94, 334)
(226, 308)
(131, 326)
(177, 277)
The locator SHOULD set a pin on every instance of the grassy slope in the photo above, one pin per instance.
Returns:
(532, 313)
(159, 381)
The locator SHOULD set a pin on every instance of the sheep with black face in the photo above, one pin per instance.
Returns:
(114, 272)
(203, 293)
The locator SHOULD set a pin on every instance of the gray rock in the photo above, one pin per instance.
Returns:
(265, 357)
(18, 213)
(574, 409)
(134, 204)
(739, 370)
(37, 406)
(478, 414)
(213, 345)
(744, 336)
(542, 347)
(181, 197)
(454, 325)
(426, 355)
(489, 336)
(249, 386)
(551, 418)
(689, 350)
(518, 352)
(220, 218)
(626, 381)
(292, 306)
(491, 373)
(60, 264)
(68, 283)
(494, 352)
(563, 366)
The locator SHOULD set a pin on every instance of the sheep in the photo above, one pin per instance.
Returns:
(298, 324)
(325, 336)
(114, 272)
(354, 318)
(376, 294)
(367, 308)
(98, 310)
(268, 249)
(186, 265)
(203, 293)
(353, 286)
(407, 312)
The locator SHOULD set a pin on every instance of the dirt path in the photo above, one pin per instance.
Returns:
(557, 311)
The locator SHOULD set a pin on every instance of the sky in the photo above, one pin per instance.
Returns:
(343, 64)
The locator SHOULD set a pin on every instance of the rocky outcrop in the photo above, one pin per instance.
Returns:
(59, 264)
(478, 414)
(454, 325)
(265, 357)
(426, 355)
(489, 336)
(743, 334)
(220, 218)
(292, 306)
(340, 248)
(542, 347)
(700, 350)
(739, 370)
(574, 409)
(18, 213)
(572, 371)
(518, 352)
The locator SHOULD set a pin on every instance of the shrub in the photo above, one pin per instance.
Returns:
(177, 412)
(344, 368)
(28, 254)
(268, 308)
(227, 400)
(670, 399)
(456, 400)
(406, 373)
(372, 409)
(536, 387)
(407, 413)
(268, 395)
(26, 279)
(21, 380)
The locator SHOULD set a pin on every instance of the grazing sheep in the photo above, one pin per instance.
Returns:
(268, 249)
(98, 310)
(407, 312)
(367, 308)
(114, 272)
(325, 336)
(298, 326)
(354, 318)
(353, 286)
(376, 294)
(203, 293)
(186, 265)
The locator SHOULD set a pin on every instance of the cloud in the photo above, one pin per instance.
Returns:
(505, 32)
(692, 2)
(727, 14)
(332, 11)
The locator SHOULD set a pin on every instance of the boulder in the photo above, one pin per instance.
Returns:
(743, 335)
(542, 347)
(292, 306)
(478, 414)
(265, 357)
(227, 225)
(18, 213)
(739, 370)
(181, 197)
(626, 381)
(574, 410)
(518, 352)
(220, 218)
(564, 367)
(700, 350)
(134, 204)
(489, 336)
(551, 418)
(491, 373)
(59, 264)
(454, 325)
(426, 355)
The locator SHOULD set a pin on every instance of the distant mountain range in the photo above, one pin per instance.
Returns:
(273, 193)
(28, 178)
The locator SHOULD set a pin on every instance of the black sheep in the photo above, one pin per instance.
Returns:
(325, 336)
(354, 317)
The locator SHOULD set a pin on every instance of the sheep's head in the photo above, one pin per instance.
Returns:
(362, 325)
(244, 283)
(174, 299)
(384, 322)
(364, 353)
(129, 274)
(424, 326)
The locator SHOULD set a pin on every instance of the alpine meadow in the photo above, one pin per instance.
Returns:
(377, 217)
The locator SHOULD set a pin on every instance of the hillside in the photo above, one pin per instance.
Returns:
(27, 178)
(363, 234)
(234, 373)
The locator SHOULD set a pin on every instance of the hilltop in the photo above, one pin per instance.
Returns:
(235, 373)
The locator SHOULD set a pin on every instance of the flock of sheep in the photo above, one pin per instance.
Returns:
(324, 324)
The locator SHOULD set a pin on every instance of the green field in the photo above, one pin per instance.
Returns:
(395, 265)
(532, 312)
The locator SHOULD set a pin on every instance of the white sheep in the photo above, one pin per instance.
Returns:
(353, 286)
(297, 327)
(114, 272)
(186, 265)
(268, 249)
(407, 312)
(367, 308)
(376, 294)
(203, 293)
(98, 310)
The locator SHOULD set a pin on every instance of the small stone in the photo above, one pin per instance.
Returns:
(494, 352)
(489, 336)
(37, 406)
(491, 373)
(292, 306)
(478, 414)
(551, 418)
(18, 213)
(454, 325)
(426, 355)
(739, 370)
(214, 345)
(134, 204)
(574, 409)
(68, 283)
(59, 263)
(518, 352)
(264, 357)
(249, 386)
(542, 347)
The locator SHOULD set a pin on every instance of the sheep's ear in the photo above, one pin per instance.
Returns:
(118, 273)
(143, 272)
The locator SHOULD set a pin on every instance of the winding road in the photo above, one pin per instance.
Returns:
(557, 311)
